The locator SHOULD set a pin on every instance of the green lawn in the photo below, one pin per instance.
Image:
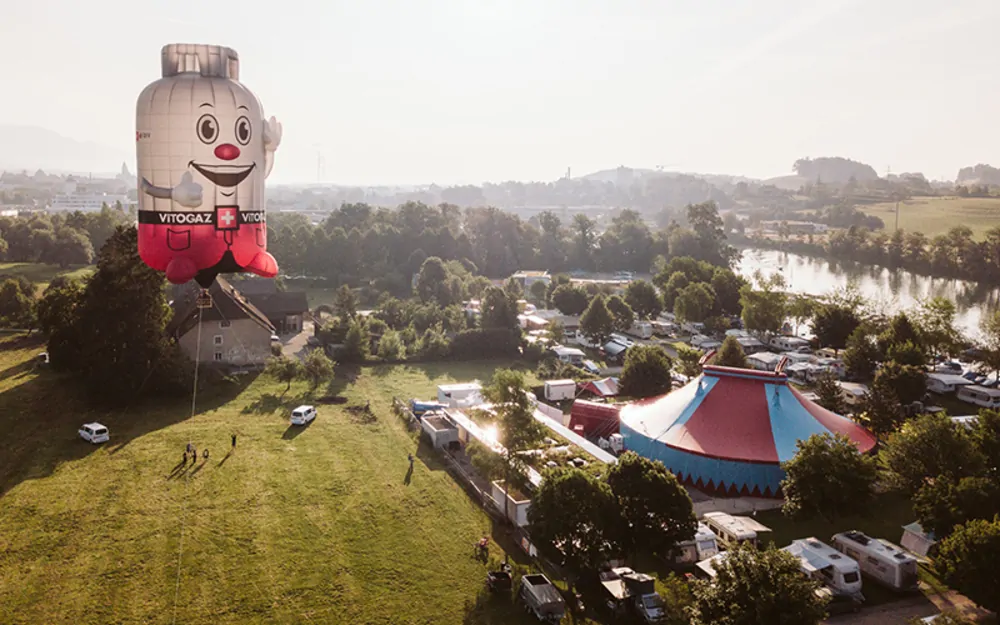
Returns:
(41, 274)
(316, 525)
(937, 215)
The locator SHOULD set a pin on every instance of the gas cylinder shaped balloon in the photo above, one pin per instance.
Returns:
(203, 149)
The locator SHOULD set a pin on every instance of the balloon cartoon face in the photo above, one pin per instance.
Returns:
(203, 151)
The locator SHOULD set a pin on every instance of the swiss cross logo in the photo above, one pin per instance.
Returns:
(227, 218)
(142, 135)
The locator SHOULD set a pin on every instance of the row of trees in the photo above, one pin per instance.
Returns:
(60, 239)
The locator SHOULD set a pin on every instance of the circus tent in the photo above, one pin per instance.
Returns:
(728, 430)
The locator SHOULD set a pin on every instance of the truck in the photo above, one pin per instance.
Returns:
(628, 591)
(541, 598)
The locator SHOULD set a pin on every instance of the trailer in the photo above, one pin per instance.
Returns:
(827, 566)
(541, 598)
(704, 545)
(558, 390)
(879, 559)
(733, 529)
(628, 591)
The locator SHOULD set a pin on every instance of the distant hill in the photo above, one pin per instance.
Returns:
(31, 148)
(619, 175)
(792, 182)
(980, 174)
(834, 170)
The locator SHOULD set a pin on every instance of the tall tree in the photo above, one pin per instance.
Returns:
(357, 343)
(834, 323)
(942, 504)
(758, 587)
(346, 303)
(707, 225)
(908, 382)
(656, 511)
(929, 446)
(570, 300)
(765, 308)
(989, 332)
(499, 309)
(828, 477)
(646, 372)
(688, 361)
(572, 519)
(57, 306)
(727, 285)
(517, 429)
(829, 393)
(731, 354)
(284, 369)
(17, 304)
(968, 560)
(936, 320)
(597, 323)
(317, 368)
(694, 302)
(861, 355)
(881, 409)
(801, 308)
(622, 312)
(985, 436)
(643, 299)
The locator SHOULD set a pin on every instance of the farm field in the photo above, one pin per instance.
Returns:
(316, 524)
(937, 215)
(41, 274)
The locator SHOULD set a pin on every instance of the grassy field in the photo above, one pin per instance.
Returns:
(40, 273)
(320, 524)
(937, 215)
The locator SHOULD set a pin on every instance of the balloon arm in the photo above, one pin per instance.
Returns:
(163, 193)
(268, 162)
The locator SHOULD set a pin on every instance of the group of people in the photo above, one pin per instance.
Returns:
(192, 451)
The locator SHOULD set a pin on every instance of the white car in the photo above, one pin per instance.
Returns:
(303, 415)
(94, 433)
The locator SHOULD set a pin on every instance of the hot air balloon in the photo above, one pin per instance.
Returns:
(203, 149)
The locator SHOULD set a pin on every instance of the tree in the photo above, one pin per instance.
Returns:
(941, 504)
(989, 331)
(936, 321)
(57, 306)
(597, 322)
(908, 382)
(513, 288)
(688, 361)
(643, 299)
(967, 561)
(391, 347)
(284, 369)
(357, 343)
(499, 309)
(900, 331)
(70, 247)
(801, 308)
(346, 303)
(828, 477)
(694, 302)
(432, 282)
(656, 511)
(517, 429)
(731, 354)
(985, 436)
(17, 304)
(764, 309)
(570, 300)
(117, 335)
(882, 410)
(758, 587)
(929, 446)
(538, 292)
(861, 355)
(829, 393)
(646, 372)
(707, 225)
(677, 282)
(622, 312)
(726, 286)
(834, 323)
(572, 518)
(906, 353)
(317, 368)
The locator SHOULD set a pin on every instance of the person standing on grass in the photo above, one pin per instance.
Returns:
(234, 440)
(410, 457)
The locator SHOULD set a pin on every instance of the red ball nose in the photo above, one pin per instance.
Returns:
(227, 151)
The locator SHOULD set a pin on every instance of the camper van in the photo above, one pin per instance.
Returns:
(879, 559)
(826, 565)
(702, 547)
(733, 530)
(980, 396)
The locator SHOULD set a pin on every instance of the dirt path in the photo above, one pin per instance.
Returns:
(895, 613)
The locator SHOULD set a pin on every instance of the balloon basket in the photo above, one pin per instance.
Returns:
(204, 299)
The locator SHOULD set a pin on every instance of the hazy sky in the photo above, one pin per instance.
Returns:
(449, 91)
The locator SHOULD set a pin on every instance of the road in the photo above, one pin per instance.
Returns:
(294, 345)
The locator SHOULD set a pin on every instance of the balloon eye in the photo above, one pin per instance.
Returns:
(208, 129)
(243, 130)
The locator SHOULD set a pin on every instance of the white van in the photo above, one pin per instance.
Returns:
(303, 415)
(94, 433)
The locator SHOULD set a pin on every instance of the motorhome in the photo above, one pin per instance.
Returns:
(980, 396)
(703, 546)
(827, 565)
(733, 529)
(880, 560)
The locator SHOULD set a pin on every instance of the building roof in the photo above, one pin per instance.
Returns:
(607, 387)
(949, 379)
(228, 304)
(562, 350)
(279, 303)
(815, 555)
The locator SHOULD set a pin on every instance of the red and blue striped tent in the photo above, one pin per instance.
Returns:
(728, 430)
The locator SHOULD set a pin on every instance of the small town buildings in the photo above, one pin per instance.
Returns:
(527, 278)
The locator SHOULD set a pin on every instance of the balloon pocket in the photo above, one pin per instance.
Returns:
(178, 240)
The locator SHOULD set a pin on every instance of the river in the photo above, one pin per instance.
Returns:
(888, 290)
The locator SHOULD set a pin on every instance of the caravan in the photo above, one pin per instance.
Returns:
(733, 529)
(880, 560)
(980, 396)
(825, 564)
(702, 547)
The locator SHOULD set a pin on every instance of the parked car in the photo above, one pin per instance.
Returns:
(94, 433)
(303, 415)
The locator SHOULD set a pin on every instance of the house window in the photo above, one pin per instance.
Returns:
(218, 339)
(218, 356)
(225, 324)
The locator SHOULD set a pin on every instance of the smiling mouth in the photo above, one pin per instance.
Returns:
(224, 175)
